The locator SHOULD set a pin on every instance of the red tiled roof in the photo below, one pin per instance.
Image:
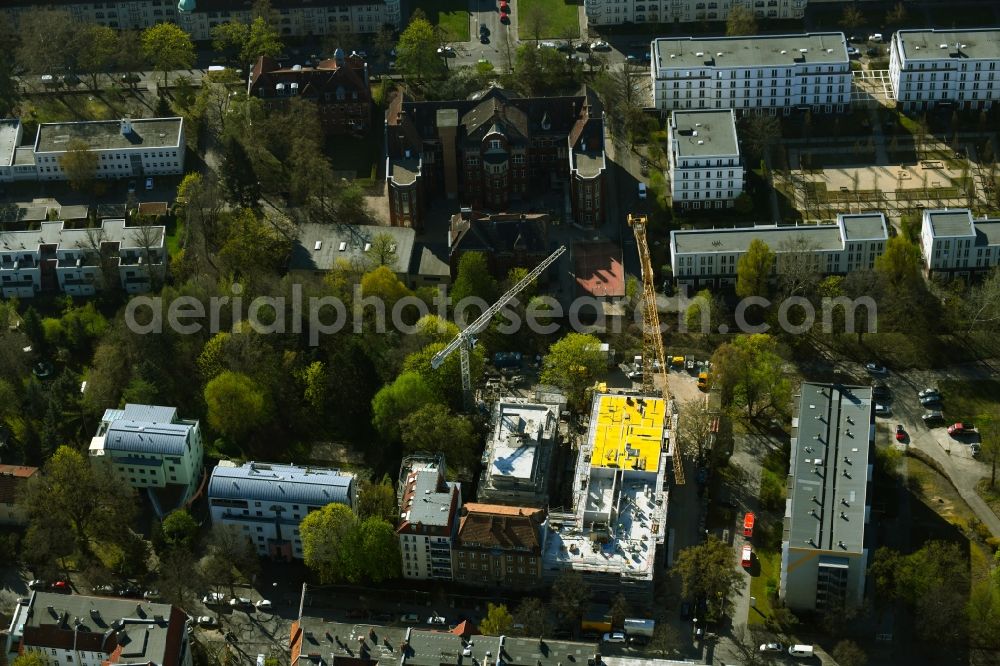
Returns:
(13, 477)
(326, 77)
(497, 526)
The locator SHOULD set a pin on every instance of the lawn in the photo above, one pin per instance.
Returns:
(451, 16)
(548, 19)
(175, 229)
(764, 585)
(990, 495)
(969, 400)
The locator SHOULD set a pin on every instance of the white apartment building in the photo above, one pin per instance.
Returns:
(63, 629)
(955, 243)
(616, 12)
(125, 148)
(198, 17)
(763, 72)
(154, 449)
(79, 262)
(429, 515)
(930, 68)
(708, 257)
(705, 168)
(268, 501)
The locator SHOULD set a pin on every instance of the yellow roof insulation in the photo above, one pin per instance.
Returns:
(628, 435)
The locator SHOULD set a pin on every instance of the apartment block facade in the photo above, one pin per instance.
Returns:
(708, 257)
(499, 546)
(617, 12)
(429, 511)
(954, 243)
(929, 68)
(824, 550)
(268, 501)
(705, 167)
(769, 73)
(199, 17)
(154, 450)
(80, 262)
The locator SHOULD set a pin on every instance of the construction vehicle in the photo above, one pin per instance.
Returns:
(652, 338)
(465, 340)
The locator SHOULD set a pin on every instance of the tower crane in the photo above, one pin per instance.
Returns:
(464, 340)
(652, 338)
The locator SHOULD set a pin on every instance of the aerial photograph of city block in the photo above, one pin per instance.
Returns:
(499, 332)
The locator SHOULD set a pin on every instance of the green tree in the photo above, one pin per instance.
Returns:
(167, 47)
(706, 570)
(570, 596)
(394, 402)
(849, 653)
(532, 614)
(433, 428)
(377, 500)
(900, 264)
(330, 539)
(179, 581)
(254, 244)
(251, 41)
(740, 21)
(382, 250)
(79, 163)
(88, 501)
(179, 529)
(237, 175)
(753, 270)
(416, 52)
(47, 40)
(573, 364)
(130, 57)
(498, 620)
(379, 550)
(897, 15)
(665, 641)
(384, 284)
(231, 557)
(99, 50)
(749, 375)
(445, 381)
(851, 18)
(619, 610)
(473, 279)
(237, 405)
(29, 659)
(989, 441)
(760, 134)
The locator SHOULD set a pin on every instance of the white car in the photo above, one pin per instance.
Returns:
(614, 637)
(928, 392)
(772, 648)
(207, 621)
(882, 410)
(263, 605)
(876, 369)
(213, 598)
(436, 620)
(600, 46)
(875, 37)
(240, 602)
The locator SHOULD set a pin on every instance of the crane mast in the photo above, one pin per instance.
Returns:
(652, 338)
(463, 341)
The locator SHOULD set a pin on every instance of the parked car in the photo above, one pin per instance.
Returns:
(263, 605)
(880, 391)
(927, 392)
(60, 586)
(505, 19)
(583, 47)
(876, 369)
(207, 621)
(149, 183)
(446, 51)
(961, 428)
(900, 433)
(873, 52)
(213, 599)
(853, 52)
(483, 30)
(772, 648)
(875, 37)
(801, 651)
(882, 409)
(614, 637)
(436, 620)
(974, 448)
(240, 602)
(642, 190)
(933, 417)
(930, 400)
(409, 618)
(600, 46)
(484, 38)
(37, 584)
(747, 557)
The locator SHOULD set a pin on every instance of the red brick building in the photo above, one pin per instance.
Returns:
(493, 150)
(499, 546)
(338, 86)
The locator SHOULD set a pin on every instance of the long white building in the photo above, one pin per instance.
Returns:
(79, 262)
(763, 72)
(933, 67)
(295, 18)
(154, 450)
(616, 12)
(708, 257)
(954, 243)
(268, 501)
(705, 168)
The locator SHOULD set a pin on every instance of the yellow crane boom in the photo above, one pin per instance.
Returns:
(652, 339)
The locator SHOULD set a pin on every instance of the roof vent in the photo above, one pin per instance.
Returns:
(695, 132)
(803, 50)
(699, 54)
(296, 68)
(718, 54)
(700, 142)
(783, 51)
(942, 46)
(318, 245)
(671, 56)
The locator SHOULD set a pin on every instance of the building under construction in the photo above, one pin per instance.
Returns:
(618, 524)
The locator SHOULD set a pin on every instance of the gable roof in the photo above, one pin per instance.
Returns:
(313, 82)
(313, 486)
(499, 234)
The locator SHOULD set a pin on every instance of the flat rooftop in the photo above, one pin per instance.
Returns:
(9, 131)
(756, 51)
(320, 246)
(978, 44)
(988, 232)
(627, 433)
(107, 135)
(821, 237)
(588, 163)
(702, 133)
(53, 233)
(520, 430)
(405, 170)
(831, 441)
(864, 226)
(949, 223)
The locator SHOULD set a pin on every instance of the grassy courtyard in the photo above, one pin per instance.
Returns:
(548, 19)
(451, 16)
(970, 400)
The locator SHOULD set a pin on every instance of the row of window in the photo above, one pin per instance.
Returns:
(708, 174)
(676, 104)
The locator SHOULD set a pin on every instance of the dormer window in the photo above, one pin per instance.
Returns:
(341, 94)
(496, 144)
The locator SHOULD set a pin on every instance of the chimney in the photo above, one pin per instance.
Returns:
(447, 124)
(126, 127)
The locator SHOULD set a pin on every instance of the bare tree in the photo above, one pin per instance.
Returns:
(798, 265)
(696, 429)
